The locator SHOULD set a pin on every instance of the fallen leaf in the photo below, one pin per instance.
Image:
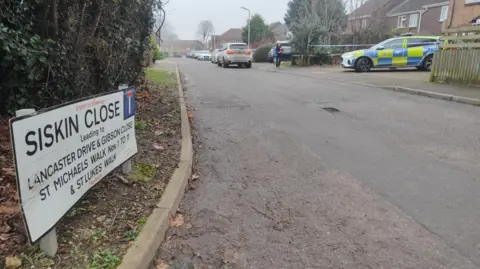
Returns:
(9, 210)
(178, 221)
(4, 237)
(9, 171)
(159, 186)
(101, 218)
(162, 265)
(158, 147)
(12, 262)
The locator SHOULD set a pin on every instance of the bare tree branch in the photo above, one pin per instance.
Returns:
(205, 30)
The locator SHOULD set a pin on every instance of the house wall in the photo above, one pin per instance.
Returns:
(392, 23)
(462, 13)
(355, 25)
(431, 24)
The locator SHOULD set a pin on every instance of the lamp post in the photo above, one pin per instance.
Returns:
(248, 39)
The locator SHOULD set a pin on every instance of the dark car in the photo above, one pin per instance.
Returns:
(270, 55)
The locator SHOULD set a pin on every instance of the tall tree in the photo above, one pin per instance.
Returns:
(310, 20)
(292, 15)
(205, 30)
(259, 31)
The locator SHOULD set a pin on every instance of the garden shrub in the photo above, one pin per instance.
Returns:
(55, 51)
(261, 53)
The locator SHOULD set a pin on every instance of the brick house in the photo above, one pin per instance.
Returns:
(180, 46)
(369, 13)
(463, 13)
(231, 35)
(418, 17)
(279, 30)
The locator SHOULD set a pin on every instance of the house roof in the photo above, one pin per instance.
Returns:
(368, 7)
(275, 25)
(233, 34)
(414, 5)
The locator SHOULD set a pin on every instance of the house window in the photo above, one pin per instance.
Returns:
(471, 1)
(364, 23)
(401, 21)
(413, 21)
(444, 13)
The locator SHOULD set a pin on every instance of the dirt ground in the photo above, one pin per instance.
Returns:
(99, 229)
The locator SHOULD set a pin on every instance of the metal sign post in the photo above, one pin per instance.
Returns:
(126, 166)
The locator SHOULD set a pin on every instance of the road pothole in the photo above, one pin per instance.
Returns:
(330, 109)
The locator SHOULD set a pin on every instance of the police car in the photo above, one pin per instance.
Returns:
(403, 51)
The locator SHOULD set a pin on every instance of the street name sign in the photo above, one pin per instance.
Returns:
(62, 152)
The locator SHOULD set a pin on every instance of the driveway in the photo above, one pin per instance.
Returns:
(303, 172)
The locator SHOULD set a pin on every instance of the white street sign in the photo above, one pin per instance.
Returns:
(61, 153)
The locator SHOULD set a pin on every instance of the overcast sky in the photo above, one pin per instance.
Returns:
(185, 15)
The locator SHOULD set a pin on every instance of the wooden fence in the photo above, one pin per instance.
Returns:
(458, 59)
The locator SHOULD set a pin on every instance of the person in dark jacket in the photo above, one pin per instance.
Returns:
(277, 55)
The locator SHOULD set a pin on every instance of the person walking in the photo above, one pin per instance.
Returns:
(277, 53)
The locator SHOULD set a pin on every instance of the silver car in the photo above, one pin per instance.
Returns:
(214, 56)
(234, 53)
(204, 55)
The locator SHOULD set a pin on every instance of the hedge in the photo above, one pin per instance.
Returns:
(55, 51)
(261, 53)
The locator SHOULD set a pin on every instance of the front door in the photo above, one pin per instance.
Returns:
(393, 54)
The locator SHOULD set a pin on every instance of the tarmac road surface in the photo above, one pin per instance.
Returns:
(300, 172)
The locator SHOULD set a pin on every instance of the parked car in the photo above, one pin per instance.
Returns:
(191, 54)
(403, 51)
(270, 55)
(204, 55)
(214, 56)
(234, 53)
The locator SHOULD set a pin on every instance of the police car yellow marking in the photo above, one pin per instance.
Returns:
(399, 61)
(388, 53)
(415, 52)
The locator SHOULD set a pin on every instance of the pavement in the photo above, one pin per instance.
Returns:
(403, 77)
(299, 171)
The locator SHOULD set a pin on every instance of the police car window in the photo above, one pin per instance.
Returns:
(431, 41)
(394, 44)
(417, 42)
(414, 42)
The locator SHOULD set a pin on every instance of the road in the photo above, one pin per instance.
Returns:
(300, 172)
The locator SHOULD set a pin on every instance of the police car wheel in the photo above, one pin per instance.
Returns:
(427, 63)
(363, 65)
